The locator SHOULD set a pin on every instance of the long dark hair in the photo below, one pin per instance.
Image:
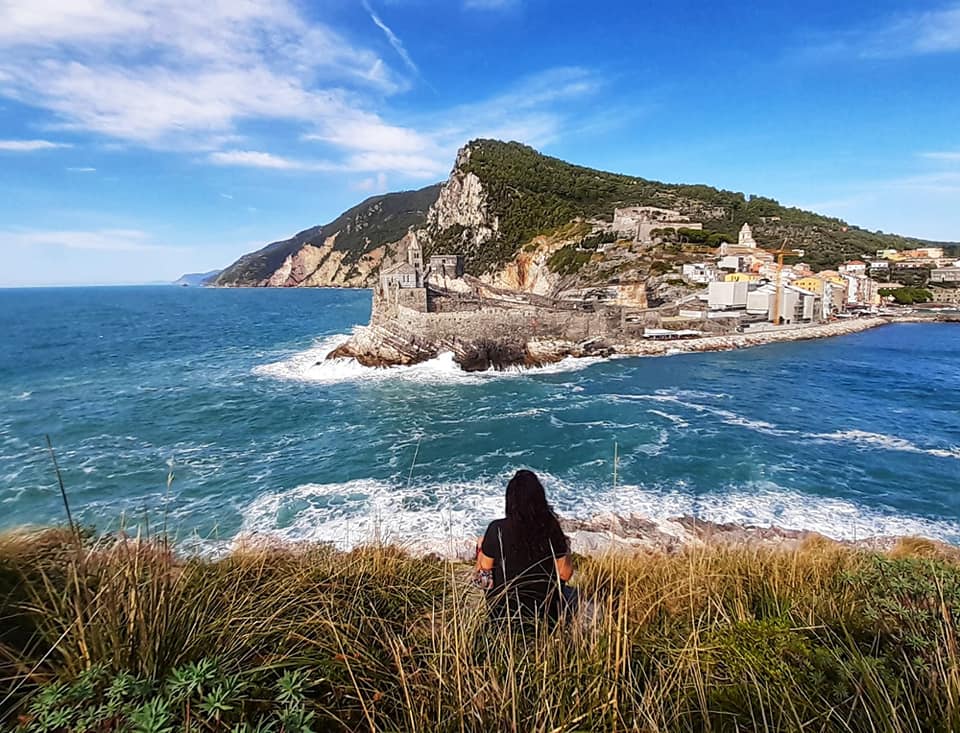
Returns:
(531, 516)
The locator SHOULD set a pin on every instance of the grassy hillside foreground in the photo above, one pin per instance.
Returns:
(125, 636)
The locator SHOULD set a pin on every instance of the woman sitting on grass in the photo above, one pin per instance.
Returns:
(523, 560)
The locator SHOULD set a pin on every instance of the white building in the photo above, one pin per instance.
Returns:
(700, 272)
(796, 305)
(861, 290)
(745, 238)
(946, 274)
(727, 296)
(853, 267)
(734, 263)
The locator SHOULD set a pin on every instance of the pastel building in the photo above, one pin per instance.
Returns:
(742, 277)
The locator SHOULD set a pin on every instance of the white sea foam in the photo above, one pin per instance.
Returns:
(767, 504)
(444, 517)
(860, 438)
(313, 366)
(675, 419)
(23, 396)
(434, 518)
(866, 439)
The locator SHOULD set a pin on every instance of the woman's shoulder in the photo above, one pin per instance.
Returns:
(496, 524)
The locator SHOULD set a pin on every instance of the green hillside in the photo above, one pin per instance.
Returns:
(533, 193)
(378, 220)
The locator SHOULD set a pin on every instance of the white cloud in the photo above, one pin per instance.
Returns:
(943, 182)
(29, 146)
(203, 78)
(913, 33)
(83, 169)
(258, 159)
(373, 184)
(948, 156)
(104, 240)
(415, 166)
(489, 4)
(175, 73)
(534, 111)
(392, 38)
(369, 132)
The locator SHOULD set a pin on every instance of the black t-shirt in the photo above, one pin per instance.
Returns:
(523, 579)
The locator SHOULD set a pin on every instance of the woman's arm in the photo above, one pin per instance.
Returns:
(564, 565)
(483, 562)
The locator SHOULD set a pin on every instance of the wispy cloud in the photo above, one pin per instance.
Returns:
(215, 79)
(414, 166)
(259, 159)
(942, 182)
(29, 146)
(489, 4)
(180, 75)
(373, 184)
(102, 240)
(392, 38)
(536, 110)
(84, 169)
(912, 33)
(949, 156)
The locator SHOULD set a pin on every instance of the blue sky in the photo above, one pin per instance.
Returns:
(143, 139)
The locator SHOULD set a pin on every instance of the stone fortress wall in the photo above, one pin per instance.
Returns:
(441, 303)
(498, 323)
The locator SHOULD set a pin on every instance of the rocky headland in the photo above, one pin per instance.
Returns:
(532, 223)
(392, 344)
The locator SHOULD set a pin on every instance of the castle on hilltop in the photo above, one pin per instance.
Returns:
(639, 222)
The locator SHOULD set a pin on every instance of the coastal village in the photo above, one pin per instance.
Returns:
(736, 287)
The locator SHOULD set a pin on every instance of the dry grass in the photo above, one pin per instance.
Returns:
(307, 638)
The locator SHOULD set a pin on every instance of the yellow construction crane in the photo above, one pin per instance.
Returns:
(777, 294)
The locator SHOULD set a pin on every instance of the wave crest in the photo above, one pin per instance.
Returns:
(312, 366)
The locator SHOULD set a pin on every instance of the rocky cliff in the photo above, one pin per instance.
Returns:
(346, 252)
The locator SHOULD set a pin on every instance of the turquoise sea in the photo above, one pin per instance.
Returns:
(853, 436)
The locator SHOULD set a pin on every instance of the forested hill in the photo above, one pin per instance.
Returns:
(376, 221)
(532, 193)
(501, 195)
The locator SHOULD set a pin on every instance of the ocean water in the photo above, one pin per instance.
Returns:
(227, 391)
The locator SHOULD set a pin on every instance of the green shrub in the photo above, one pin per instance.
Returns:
(568, 260)
(908, 295)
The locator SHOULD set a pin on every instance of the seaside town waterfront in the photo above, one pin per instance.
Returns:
(731, 296)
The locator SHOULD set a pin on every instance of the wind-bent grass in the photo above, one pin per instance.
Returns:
(126, 635)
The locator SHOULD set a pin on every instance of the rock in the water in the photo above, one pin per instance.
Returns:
(484, 354)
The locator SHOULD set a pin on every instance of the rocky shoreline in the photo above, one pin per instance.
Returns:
(632, 534)
(635, 534)
(389, 344)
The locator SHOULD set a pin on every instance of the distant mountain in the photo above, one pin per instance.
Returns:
(344, 252)
(198, 279)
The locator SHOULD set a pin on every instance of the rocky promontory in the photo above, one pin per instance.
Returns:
(392, 344)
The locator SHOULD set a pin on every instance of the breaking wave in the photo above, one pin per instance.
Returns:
(313, 366)
(444, 518)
